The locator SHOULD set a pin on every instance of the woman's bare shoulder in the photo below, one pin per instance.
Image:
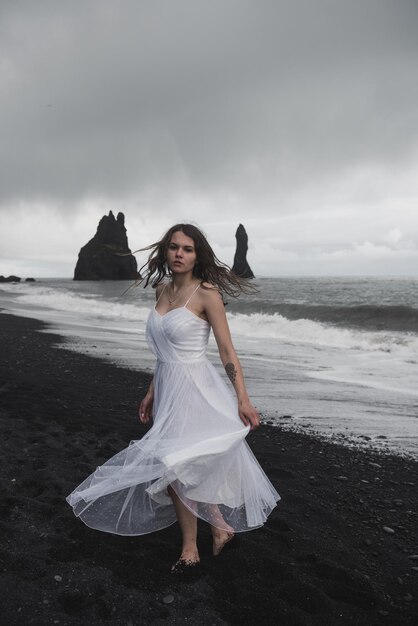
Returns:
(159, 289)
(209, 288)
(210, 293)
(207, 285)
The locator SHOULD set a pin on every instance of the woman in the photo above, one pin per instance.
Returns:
(194, 461)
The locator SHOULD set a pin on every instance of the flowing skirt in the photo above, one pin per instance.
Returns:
(197, 445)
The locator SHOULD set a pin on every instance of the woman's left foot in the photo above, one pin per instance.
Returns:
(220, 540)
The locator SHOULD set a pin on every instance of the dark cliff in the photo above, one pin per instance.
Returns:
(100, 258)
(241, 266)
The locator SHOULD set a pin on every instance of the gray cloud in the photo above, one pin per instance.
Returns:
(162, 106)
(105, 98)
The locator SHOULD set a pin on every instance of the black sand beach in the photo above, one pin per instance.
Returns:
(340, 548)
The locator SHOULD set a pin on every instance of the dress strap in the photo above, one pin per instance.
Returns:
(192, 294)
(162, 291)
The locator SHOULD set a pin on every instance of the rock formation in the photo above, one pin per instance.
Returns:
(100, 258)
(240, 266)
(10, 279)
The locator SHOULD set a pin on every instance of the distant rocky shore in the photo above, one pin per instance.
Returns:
(15, 279)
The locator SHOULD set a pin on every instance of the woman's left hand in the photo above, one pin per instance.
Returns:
(249, 414)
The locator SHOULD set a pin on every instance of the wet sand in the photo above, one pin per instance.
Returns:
(338, 549)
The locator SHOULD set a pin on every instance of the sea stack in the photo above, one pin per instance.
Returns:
(241, 266)
(100, 258)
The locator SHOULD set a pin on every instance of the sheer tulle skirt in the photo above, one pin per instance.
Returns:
(196, 445)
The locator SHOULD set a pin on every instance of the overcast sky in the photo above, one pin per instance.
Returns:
(298, 118)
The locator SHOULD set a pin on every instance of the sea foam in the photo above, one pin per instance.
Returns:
(278, 327)
(263, 326)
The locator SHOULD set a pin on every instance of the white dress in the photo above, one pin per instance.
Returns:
(196, 444)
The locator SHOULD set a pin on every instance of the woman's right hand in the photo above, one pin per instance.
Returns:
(145, 408)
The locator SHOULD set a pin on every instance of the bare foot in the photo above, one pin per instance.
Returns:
(190, 555)
(220, 539)
(188, 558)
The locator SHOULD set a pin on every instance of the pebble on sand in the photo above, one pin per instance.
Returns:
(168, 599)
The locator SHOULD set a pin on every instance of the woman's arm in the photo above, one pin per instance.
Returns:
(146, 404)
(215, 312)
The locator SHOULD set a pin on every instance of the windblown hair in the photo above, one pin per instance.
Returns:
(208, 267)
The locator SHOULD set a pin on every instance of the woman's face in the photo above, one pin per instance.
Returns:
(181, 253)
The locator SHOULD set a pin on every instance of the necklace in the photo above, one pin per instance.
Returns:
(180, 291)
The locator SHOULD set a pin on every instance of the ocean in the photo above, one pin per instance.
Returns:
(337, 356)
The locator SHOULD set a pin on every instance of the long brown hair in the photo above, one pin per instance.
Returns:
(208, 267)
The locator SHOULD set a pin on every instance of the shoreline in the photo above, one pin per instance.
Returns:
(284, 377)
(325, 555)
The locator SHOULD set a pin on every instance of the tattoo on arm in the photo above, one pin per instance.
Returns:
(231, 372)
